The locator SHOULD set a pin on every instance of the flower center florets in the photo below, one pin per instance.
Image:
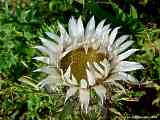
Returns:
(78, 59)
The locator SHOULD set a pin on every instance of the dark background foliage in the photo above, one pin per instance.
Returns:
(23, 21)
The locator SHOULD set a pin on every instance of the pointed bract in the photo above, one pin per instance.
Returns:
(113, 35)
(84, 97)
(70, 92)
(43, 59)
(125, 46)
(99, 29)
(50, 45)
(91, 78)
(126, 66)
(48, 70)
(120, 40)
(52, 36)
(127, 54)
(80, 28)
(90, 28)
(72, 27)
(101, 92)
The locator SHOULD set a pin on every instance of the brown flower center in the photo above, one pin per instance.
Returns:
(78, 59)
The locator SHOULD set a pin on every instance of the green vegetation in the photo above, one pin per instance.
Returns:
(23, 21)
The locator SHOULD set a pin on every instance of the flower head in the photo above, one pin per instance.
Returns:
(86, 59)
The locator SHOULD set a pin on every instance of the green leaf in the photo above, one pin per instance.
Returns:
(133, 12)
(80, 1)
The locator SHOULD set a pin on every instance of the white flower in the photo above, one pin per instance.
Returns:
(86, 59)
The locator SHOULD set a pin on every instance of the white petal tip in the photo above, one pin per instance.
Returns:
(37, 70)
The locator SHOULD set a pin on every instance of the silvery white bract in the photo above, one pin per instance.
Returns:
(86, 59)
